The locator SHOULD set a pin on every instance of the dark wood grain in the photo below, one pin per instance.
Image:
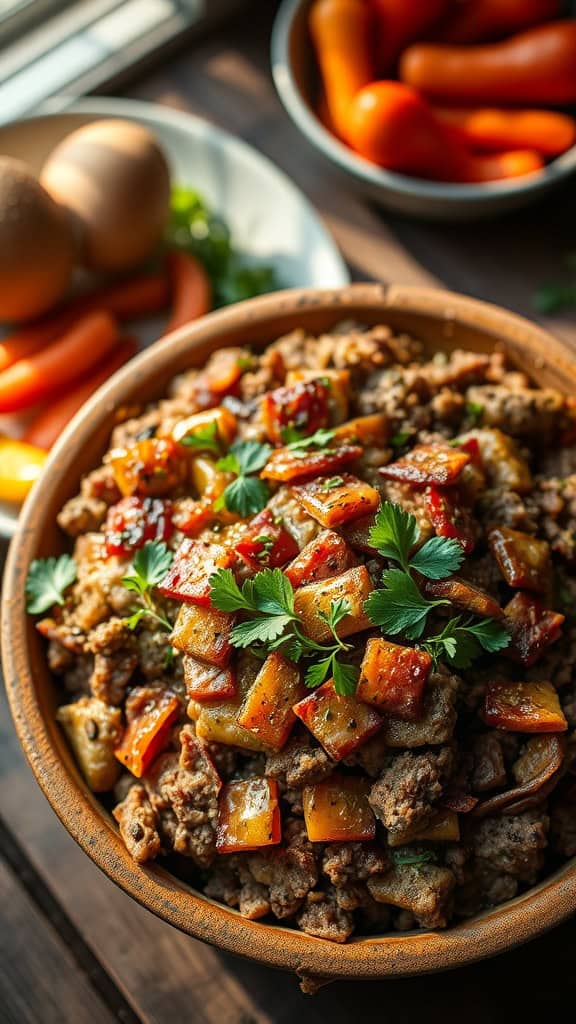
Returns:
(162, 975)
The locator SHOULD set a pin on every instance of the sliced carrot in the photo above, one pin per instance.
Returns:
(192, 294)
(125, 299)
(49, 371)
(44, 430)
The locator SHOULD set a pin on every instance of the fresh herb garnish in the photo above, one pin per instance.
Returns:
(268, 600)
(332, 482)
(462, 641)
(400, 439)
(474, 410)
(205, 438)
(47, 580)
(149, 567)
(413, 858)
(247, 494)
(194, 228)
(319, 439)
(400, 607)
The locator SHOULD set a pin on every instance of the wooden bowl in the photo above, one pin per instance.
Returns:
(442, 320)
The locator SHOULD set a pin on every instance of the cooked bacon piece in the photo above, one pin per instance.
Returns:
(533, 628)
(337, 810)
(133, 521)
(315, 599)
(449, 518)
(464, 595)
(149, 468)
(340, 724)
(523, 707)
(301, 407)
(338, 499)
(248, 816)
(207, 682)
(203, 633)
(336, 381)
(267, 709)
(536, 772)
(371, 431)
(393, 678)
(266, 543)
(325, 556)
(523, 560)
(194, 563)
(428, 464)
(150, 715)
(289, 466)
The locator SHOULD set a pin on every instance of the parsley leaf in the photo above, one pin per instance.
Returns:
(225, 594)
(413, 858)
(400, 439)
(438, 558)
(462, 642)
(395, 532)
(206, 439)
(400, 607)
(149, 567)
(46, 582)
(319, 439)
(262, 630)
(317, 674)
(345, 678)
(273, 592)
(246, 495)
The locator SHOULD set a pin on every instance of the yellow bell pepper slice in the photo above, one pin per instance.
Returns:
(20, 466)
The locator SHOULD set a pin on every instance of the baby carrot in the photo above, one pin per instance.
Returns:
(192, 294)
(44, 430)
(547, 131)
(46, 372)
(341, 34)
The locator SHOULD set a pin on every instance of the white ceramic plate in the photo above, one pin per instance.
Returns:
(270, 220)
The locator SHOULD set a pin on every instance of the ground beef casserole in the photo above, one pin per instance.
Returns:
(407, 789)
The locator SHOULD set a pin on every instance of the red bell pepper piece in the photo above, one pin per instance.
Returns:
(302, 407)
(449, 518)
(194, 563)
(392, 678)
(134, 521)
(150, 716)
(326, 556)
(266, 543)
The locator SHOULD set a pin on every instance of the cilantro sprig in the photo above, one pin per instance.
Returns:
(247, 494)
(47, 581)
(149, 567)
(271, 623)
(400, 607)
(206, 439)
(319, 439)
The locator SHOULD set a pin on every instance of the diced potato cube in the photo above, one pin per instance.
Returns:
(289, 466)
(393, 678)
(443, 827)
(371, 431)
(505, 467)
(149, 468)
(523, 560)
(207, 682)
(326, 555)
(354, 585)
(217, 721)
(194, 563)
(338, 499)
(267, 709)
(336, 810)
(464, 595)
(424, 890)
(225, 426)
(150, 715)
(523, 707)
(203, 633)
(340, 724)
(428, 464)
(533, 628)
(93, 729)
(248, 816)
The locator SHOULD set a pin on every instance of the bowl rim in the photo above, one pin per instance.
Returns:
(491, 932)
(371, 174)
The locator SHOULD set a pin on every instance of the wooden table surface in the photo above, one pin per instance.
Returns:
(73, 947)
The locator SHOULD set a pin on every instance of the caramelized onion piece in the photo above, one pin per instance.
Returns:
(536, 771)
